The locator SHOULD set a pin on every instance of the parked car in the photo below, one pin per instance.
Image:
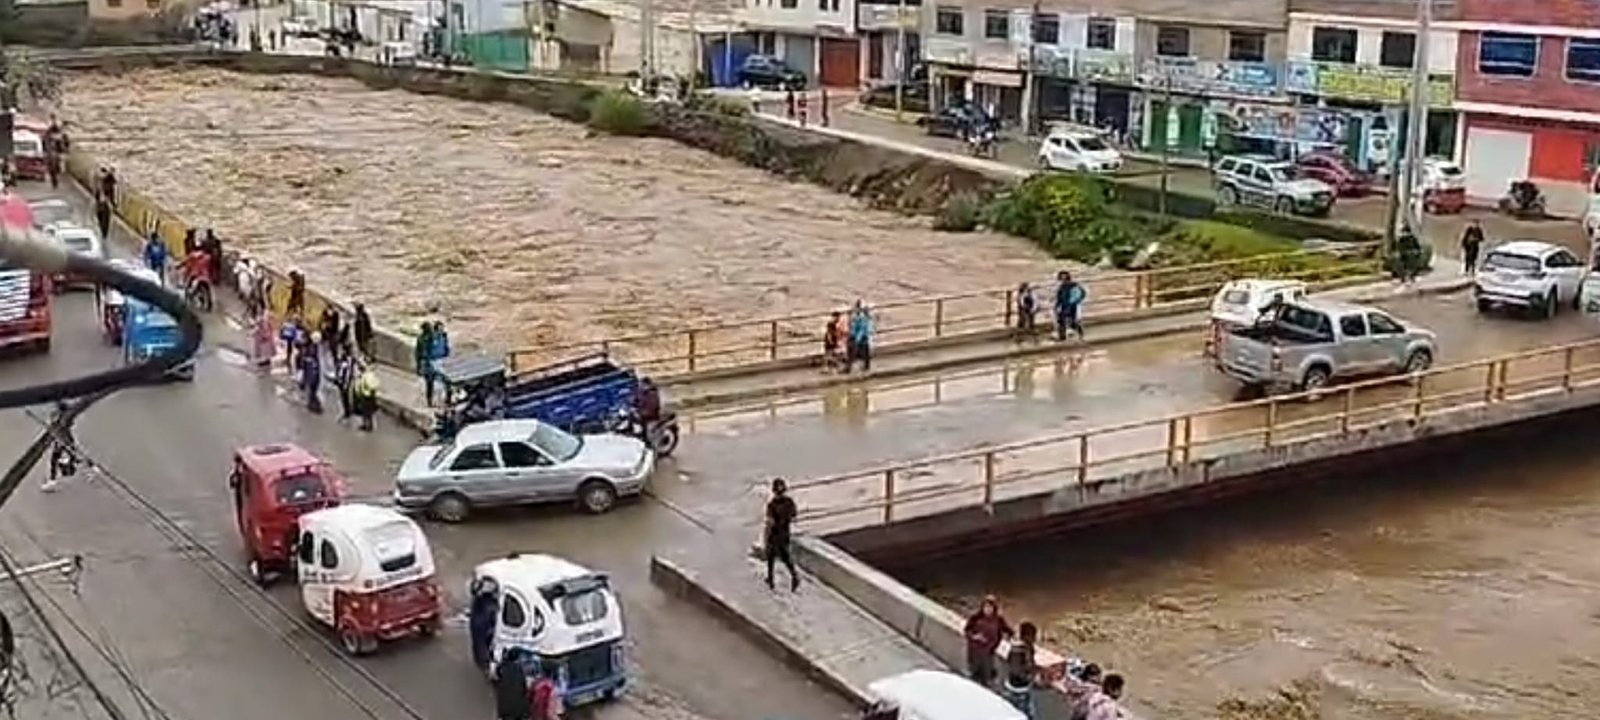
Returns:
(1444, 186)
(953, 120)
(521, 462)
(301, 27)
(1270, 185)
(767, 72)
(1336, 170)
(49, 211)
(1529, 274)
(1311, 343)
(1078, 149)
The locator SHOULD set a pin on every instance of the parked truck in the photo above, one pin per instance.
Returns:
(1308, 344)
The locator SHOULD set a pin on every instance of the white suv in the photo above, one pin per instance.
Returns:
(1529, 274)
(1270, 185)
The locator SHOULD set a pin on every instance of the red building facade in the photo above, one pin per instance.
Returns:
(1528, 85)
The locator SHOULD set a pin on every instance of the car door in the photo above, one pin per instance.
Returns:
(512, 626)
(317, 566)
(1317, 168)
(1568, 273)
(1388, 342)
(1357, 352)
(477, 473)
(530, 475)
(1261, 187)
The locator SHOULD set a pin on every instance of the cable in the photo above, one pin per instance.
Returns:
(105, 701)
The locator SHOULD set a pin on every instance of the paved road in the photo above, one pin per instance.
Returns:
(201, 653)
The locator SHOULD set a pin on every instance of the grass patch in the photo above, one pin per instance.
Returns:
(619, 113)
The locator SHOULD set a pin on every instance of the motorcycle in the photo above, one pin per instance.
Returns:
(197, 291)
(983, 143)
(1524, 200)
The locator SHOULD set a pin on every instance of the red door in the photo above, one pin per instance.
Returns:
(841, 63)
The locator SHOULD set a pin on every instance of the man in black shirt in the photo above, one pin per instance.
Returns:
(781, 511)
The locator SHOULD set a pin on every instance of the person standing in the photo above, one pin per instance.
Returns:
(155, 257)
(422, 353)
(329, 326)
(1027, 310)
(297, 294)
(1471, 245)
(984, 631)
(832, 339)
(55, 151)
(778, 533)
(1022, 671)
(860, 338)
(264, 343)
(363, 330)
(311, 374)
(365, 395)
(212, 245)
(102, 215)
(511, 689)
(544, 696)
(191, 242)
(344, 379)
(108, 184)
(1106, 704)
(1069, 306)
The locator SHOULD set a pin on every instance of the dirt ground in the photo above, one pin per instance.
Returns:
(514, 227)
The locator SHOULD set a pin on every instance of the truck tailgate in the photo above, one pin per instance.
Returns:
(1245, 358)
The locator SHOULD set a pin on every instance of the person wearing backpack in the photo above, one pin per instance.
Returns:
(1022, 673)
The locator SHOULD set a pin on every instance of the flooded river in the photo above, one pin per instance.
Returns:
(515, 227)
(1450, 591)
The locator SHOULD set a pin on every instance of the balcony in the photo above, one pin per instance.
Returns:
(1218, 78)
(1365, 83)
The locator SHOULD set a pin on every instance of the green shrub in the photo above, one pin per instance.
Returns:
(719, 104)
(619, 113)
(960, 214)
(1069, 215)
(1202, 242)
(1148, 199)
(1298, 228)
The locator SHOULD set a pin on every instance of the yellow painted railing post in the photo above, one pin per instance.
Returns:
(1566, 370)
(1188, 436)
(1417, 399)
(1501, 378)
(694, 349)
(1344, 412)
(772, 340)
(888, 496)
(938, 317)
(1011, 304)
(1139, 282)
(1083, 460)
(1272, 422)
(1172, 441)
(988, 481)
(1488, 382)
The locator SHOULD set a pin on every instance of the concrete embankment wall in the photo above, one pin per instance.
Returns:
(1348, 458)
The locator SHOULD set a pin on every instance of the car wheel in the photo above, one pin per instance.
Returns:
(1284, 206)
(1228, 196)
(1316, 379)
(1550, 306)
(258, 573)
(666, 440)
(1419, 361)
(596, 496)
(355, 643)
(450, 507)
(1577, 300)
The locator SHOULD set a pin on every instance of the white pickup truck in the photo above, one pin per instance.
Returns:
(1310, 343)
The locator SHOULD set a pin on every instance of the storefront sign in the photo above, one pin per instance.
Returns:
(1103, 66)
(1050, 61)
(1369, 83)
(947, 51)
(888, 17)
(1210, 77)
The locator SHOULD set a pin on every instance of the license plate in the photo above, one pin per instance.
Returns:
(583, 698)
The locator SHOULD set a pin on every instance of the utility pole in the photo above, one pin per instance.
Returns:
(694, 52)
(1031, 89)
(900, 62)
(646, 28)
(1166, 145)
(1404, 205)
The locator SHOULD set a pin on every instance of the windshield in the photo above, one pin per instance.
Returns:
(439, 456)
(1092, 144)
(79, 244)
(1284, 173)
(1507, 261)
(556, 444)
(1236, 297)
(581, 600)
(48, 213)
(302, 487)
(26, 146)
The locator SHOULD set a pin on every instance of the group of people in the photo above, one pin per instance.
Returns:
(1070, 296)
(1091, 694)
(346, 347)
(848, 342)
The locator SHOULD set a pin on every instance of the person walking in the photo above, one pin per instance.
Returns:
(511, 689)
(297, 294)
(984, 631)
(778, 533)
(108, 184)
(155, 257)
(212, 245)
(329, 326)
(102, 215)
(1027, 310)
(311, 374)
(832, 342)
(1069, 306)
(365, 395)
(363, 330)
(1471, 245)
(1022, 671)
(544, 696)
(264, 341)
(860, 338)
(422, 353)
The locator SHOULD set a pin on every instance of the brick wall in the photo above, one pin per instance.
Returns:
(1562, 13)
(1548, 88)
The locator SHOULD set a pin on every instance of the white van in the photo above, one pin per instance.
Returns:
(939, 695)
(1078, 149)
(1241, 303)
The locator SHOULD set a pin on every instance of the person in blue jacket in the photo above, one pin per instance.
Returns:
(860, 340)
(1069, 305)
(155, 256)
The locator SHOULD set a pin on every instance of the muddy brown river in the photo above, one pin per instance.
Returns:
(515, 227)
(1458, 590)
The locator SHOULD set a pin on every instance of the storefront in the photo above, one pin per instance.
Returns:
(998, 92)
(1105, 95)
(1180, 96)
(1559, 156)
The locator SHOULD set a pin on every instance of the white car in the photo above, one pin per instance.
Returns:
(521, 462)
(49, 211)
(1079, 150)
(1529, 274)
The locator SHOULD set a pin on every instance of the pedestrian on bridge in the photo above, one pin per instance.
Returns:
(311, 374)
(1069, 306)
(422, 352)
(344, 379)
(1471, 245)
(365, 395)
(1022, 670)
(1027, 310)
(860, 343)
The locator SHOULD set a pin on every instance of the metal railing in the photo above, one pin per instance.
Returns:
(727, 345)
(984, 476)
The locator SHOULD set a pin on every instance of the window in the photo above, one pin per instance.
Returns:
(299, 488)
(1333, 45)
(512, 614)
(153, 4)
(1508, 54)
(1583, 60)
(1384, 325)
(1047, 29)
(1172, 41)
(477, 457)
(1562, 259)
(1246, 46)
(584, 607)
(114, 3)
(306, 543)
(949, 21)
(1262, 176)
(327, 557)
(1102, 34)
(519, 455)
(1352, 326)
(788, 4)
(1398, 49)
(997, 24)
(1507, 261)
(557, 444)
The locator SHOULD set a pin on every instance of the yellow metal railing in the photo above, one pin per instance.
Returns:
(712, 347)
(984, 476)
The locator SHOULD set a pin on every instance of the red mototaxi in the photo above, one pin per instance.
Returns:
(273, 485)
(29, 156)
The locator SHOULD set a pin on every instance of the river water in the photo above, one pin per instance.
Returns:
(1462, 589)
(515, 227)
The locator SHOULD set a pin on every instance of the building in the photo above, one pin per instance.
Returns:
(1350, 68)
(881, 26)
(604, 37)
(125, 10)
(490, 33)
(815, 37)
(1529, 89)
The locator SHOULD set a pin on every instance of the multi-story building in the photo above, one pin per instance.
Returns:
(815, 37)
(1530, 92)
(1351, 67)
(881, 25)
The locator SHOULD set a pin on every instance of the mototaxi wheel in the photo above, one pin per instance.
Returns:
(665, 439)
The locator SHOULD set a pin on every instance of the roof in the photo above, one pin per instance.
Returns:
(277, 457)
(466, 368)
(354, 517)
(531, 570)
(1530, 248)
(938, 694)
(496, 430)
(1258, 284)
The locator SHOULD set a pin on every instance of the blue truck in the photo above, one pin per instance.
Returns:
(586, 395)
(149, 331)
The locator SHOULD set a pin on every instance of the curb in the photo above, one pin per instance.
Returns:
(682, 583)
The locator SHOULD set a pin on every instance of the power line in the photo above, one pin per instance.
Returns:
(105, 701)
